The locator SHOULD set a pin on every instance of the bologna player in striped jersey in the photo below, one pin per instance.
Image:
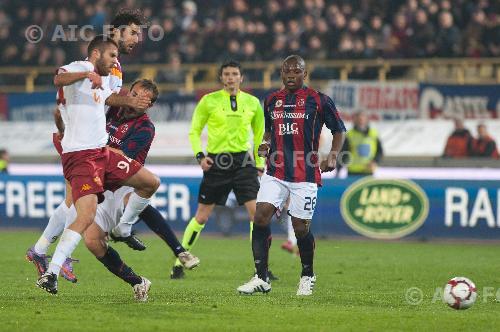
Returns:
(294, 117)
(131, 133)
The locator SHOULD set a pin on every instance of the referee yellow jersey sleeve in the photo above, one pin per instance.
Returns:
(258, 133)
(198, 122)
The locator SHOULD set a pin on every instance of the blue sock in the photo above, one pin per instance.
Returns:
(155, 221)
(115, 265)
(261, 238)
(306, 246)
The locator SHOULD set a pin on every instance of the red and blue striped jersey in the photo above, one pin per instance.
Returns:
(295, 121)
(132, 136)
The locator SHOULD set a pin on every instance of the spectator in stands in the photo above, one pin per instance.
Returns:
(249, 51)
(233, 50)
(484, 145)
(355, 28)
(199, 30)
(474, 33)
(423, 34)
(364, 147)
(459, 142)
(448, 37)
(379, 32)
(315, 49)
(189, 10)
(279, 48)
(173, 73)
(4, 161)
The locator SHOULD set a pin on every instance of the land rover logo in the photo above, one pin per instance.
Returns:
(384, 209)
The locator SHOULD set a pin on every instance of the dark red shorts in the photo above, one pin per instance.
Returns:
(94, 171)
(118, 169)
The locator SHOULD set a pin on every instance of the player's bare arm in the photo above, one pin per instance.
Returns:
(139, 102)
(265, 145)
(330, 163)
(65, 78)
(59, 122)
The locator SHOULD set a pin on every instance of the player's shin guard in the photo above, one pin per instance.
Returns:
(53, 229)
(306, 246)
(191, 235)
(113, 262)
(67, 244)
(261, 237)
(155, 221)
(136, 204)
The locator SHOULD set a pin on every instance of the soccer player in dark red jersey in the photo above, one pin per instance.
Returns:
(294, 117)
(124, 31)
(131, 133)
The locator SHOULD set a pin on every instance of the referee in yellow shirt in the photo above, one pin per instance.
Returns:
(229, 114)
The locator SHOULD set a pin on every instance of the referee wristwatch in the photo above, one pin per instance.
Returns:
(199, 157)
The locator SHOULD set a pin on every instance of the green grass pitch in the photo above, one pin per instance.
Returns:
(361, 287)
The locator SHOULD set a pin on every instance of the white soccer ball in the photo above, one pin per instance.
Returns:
(460, 293)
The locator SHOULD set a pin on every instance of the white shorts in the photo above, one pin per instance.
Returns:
(109, 212)
(302, 195)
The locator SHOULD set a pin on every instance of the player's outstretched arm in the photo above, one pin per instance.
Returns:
(68, 78)
(139, 103)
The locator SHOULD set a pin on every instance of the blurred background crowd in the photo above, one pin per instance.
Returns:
(205, 31)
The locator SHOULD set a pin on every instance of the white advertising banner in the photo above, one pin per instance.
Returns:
(399, 138)
(419, 138)
(381, 100)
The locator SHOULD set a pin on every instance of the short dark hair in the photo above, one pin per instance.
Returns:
(2, 152)
(148, 85)
(229, 63)
(298, 58)
(100, 42)
(128, 16)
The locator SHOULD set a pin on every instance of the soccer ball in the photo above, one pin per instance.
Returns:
(460, 293)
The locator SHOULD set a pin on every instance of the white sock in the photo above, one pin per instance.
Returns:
(53, 229)
(70, 216)
(136, 204)
(67, 244)
(291, 233)
(122, 230)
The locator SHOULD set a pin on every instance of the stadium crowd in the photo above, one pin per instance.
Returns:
(210, 30)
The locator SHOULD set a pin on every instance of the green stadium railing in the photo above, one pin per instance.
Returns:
(266, 74)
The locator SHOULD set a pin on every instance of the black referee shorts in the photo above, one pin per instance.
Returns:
(231, 171)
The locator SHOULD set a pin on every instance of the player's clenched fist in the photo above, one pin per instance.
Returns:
(328, 164)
